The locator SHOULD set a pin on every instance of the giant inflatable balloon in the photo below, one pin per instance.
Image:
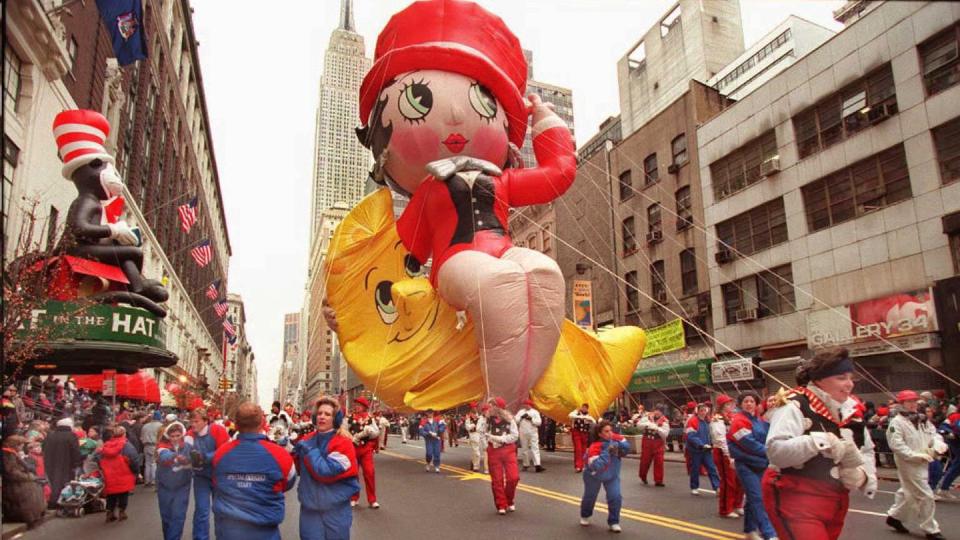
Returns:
(402, 338)
(441, 106)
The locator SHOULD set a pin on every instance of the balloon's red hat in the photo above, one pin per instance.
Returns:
(80, 136)
(457, 36)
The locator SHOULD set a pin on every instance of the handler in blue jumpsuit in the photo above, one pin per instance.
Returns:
(205, 438)
(250, 476)
(603, 469)
(173, 480)
(701, 449)
(746, 440)
(432, 428)
(327, 462)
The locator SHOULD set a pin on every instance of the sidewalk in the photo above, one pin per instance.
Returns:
(677, 457)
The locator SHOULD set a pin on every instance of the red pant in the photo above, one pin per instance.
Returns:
(651, 451)
(803, 508)
(504, 475)
(365, 462)
(730, 496)
(579, 447)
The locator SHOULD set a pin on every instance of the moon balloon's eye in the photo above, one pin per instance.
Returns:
(412, 266)
(384, 300)
(483, 101)
(415, 101)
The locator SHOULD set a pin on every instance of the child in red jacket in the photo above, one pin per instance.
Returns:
(119, 463)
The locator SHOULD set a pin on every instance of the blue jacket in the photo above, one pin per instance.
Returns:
(950, 431)
(327, 463)
(429, 425)
(171, 475)
(250, 476)
(747, 438)
(603, 458)
(207, 444)
(698, 432)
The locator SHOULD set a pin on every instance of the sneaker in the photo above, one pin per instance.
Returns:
(897, 525)
(935, 536)
(739, 511)
(502, 511)
(584, 522)
(374, 505)
(486, 471)
(512, 508)
(111, 516)
(427, 468)
(123, 515)
(732, 515)
(353, 504)
(644, 480)
(695, 492)
(436, 469)
(660, 484)
(615, 528)
(754, 535)
(540, 468)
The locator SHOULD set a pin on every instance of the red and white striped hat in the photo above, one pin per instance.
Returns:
(80, 135)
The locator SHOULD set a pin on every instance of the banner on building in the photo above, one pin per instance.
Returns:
(740, 369)
(665, 338)
(583, 303)
(905, 320)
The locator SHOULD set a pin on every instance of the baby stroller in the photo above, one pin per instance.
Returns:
(82, 496)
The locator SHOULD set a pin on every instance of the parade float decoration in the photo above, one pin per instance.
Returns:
(99, 311)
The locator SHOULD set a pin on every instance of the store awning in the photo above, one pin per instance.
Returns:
(79, 357)
(671, 376)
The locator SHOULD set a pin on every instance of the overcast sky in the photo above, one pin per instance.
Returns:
(261, 70)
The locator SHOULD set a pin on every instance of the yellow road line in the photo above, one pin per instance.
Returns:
(654, 519)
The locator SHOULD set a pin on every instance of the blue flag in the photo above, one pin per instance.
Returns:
(124, 21)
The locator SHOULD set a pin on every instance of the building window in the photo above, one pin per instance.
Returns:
(955, 252)
(11, 155)
(12, 72)
(684, 212)
(658, 287)
(743, 167)
(747, 64)
(941, 61)
(754, 230)
(865, 186)
(679, 148)
(626, 185)
(532, 242)
(653, 218)
(841, 115)
(688, 271)
(633, 296)
(629, 233)
(52, 227)
(72, 52)
(650, 169)
(547, 239)
(670, 21)
(760, 295)
(946, 138)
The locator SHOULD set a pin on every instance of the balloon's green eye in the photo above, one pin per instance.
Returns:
(483, 101)
(384, 300)
(412, 266)
(415, 101)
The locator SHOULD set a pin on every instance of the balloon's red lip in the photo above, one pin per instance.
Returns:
(455, 142)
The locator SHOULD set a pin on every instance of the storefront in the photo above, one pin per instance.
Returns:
(672, 379)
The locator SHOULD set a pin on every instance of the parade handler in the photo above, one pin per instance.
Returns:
(730, 496)
(174, 476)
(365, 431)
(327, 462)
(701, 449)
(250, 475)
(603, 468)
(656, 429)
(501, 435)
(819, 451)
(581, 423)
(915, 443)
(475, 422)
(206, 439)
(746, 445)
(529, 420)
(431, 429)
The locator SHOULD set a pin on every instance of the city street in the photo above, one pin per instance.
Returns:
(458, 503)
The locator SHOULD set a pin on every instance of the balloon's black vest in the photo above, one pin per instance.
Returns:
(819, 467)
(474, 205)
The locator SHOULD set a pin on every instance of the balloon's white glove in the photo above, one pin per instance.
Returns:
(122, 233)
(445, 168)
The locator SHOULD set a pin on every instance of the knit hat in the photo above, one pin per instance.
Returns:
(80, 135)
(166, 430)
(157, 415)
(170, 418)
(456, 36)
(500, 402)
(67, 422)
(722, 400)
(362, 401)
(907, 395)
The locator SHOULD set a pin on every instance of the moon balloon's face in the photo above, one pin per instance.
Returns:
(440, 114)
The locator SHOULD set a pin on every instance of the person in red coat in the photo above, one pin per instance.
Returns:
(365, 431)
(442, 105)
(119, 463)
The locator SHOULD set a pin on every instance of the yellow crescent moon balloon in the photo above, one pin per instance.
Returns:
(403, 341)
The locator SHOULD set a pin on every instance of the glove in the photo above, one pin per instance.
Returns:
(708, 447)
(939, 447)
(847, 455)
(446, 168)
(921, 457)
(852, 478)
(122, 233)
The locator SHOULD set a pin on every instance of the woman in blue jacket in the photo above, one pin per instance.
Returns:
(603, 468)
(174, 475)
(746, 440)
(327, 463)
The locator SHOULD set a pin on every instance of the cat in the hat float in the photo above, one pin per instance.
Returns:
(94, 229)
(443, 112)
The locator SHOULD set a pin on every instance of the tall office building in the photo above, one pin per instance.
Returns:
(340, 162)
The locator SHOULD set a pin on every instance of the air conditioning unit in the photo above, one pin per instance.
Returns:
(879, 113)
(724, 256)
(770, 166)
(746, 315)
(654, 236)
(673, 168)
(684, 223)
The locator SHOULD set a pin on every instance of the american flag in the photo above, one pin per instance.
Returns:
(233, 341)
(202, 253)
(221, 308)
(188, 214)
(228, 327)
(213, 291)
